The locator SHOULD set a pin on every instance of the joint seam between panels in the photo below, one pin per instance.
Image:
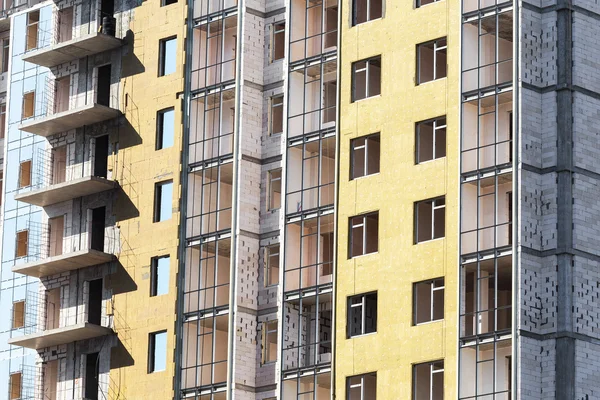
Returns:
(555, 88)
(555, 169)
(560, 251)
(559, 335)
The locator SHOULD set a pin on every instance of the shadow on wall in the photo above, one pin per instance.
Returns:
(128, 134)
(130, 63)
(124, 207)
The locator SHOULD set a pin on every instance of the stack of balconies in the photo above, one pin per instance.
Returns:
(486, 200)
(309, 202)
(205, 317)
(74, 249)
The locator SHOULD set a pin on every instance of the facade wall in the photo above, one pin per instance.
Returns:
(138, 166)
(397, 345)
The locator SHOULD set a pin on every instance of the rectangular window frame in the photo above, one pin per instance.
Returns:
(22, 237)
(31, 43)
(354, 147)
(439, 123)
(432, 291)
(25, 173)
(152, 351)
(366, 69)
(160, 125)
(363, 308)
(432, 372)
(158, 200)
(361, 385)
(154, 275)
(28, 105)
(272, 200)
(436, 49)
(5, 54)
(15, 384)
(271, 252)
(278, 29)
(18, 314)
(162, 61)
(363, 225)
(276, 105)
(368, 8)
(435, 206)
(269, 327)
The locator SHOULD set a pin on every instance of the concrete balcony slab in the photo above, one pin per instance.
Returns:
(70, 119)
(64, 262)
(68, 190)
(73, 49)
(58, 336)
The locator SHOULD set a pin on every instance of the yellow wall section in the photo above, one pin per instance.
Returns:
(138, 167)
(398, 345)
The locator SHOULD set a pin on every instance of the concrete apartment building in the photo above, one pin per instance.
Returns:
(299, 199)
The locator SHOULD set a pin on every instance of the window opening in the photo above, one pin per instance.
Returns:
(25, 174)
(428, 381)
(431, 60)
(18, 319)
(101, 156)
(361, 387)
(91, 376)
(15, 383)
(56, 226)
(362, 315)
(431, 140)
(366, 78)
(364, 234)
(276, 114)
(365, 156)
(33, 21)
(167, 56)
(428, 301)
(278, 38)
(269, 344)
(275, 189)
(272, 265)
(165, 129)
(98, 226)
(159, 284)
(157, 351)
(103, 87)
(95, 302)
(163, 195)
(366, 10)
(430, 218)
(22, 249)
(28, 105)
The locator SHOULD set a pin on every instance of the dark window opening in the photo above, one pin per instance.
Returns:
(101, 157)
(103, 91)
(362, 315)
(428, 301)
(95, 302)
(98, 225)
(366, 10)
(366, 78)
(91, 376)
(364, 233)
(365, 153)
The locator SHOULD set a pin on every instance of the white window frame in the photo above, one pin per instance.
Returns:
(432, 290)
(367, 71)
(272, 107)
(270, 252)
(434, 207)
(267, 329)
(436, 128)
(363, 314)
(436, 49)
(271, 180)
(366, 157)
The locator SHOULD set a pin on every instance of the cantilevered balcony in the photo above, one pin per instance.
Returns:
(52, 319)
(64, 191)
(49, 249)
(70, 119)
(64, 262)
(79, 47)
(57, 336)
